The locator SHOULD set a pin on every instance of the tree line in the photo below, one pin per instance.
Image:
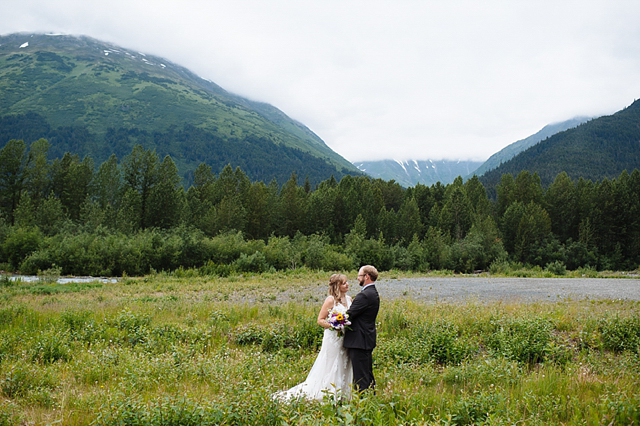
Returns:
(133, 215)
(258, 157)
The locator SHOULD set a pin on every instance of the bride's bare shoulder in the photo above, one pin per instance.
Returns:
(328, 300)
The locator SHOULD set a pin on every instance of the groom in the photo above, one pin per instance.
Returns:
(361, 338)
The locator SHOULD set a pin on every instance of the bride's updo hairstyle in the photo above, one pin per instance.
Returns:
(334, 285)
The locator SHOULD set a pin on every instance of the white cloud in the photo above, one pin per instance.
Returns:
(385, 79)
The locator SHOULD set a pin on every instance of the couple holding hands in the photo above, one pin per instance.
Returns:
(345, 358)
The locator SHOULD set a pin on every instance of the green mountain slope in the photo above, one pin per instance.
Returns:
(598, 149)
(93, 98)
(517, 147)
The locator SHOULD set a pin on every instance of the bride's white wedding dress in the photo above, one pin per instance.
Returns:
(331, 373)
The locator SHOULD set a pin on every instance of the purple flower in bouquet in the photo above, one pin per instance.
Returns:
(338, 321)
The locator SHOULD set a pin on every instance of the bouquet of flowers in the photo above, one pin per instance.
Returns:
(338, 321)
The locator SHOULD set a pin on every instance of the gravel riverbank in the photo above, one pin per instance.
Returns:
(487, 289)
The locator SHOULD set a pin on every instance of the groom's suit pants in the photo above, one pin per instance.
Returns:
(362, 364)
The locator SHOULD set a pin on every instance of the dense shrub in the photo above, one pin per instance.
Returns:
(465, 255)
(436, 248)
(411, 258)
(280, 253)
(500, 266)
(112, 254)
(476, 408)
(442, 342)
(128, 321)
(439, 342)
(249, 408)
(557, 268)
(50, 346)
(398, 350)
(255, 262)
(336, 261)
(221, 270)
(579, 255)
(11, 313)
(195, 250)
(227, 247)
(620, 334)
(313, 249)
(21, 379)
(304, 334)
(524, 340)
(74, 321)
(20, 243)
(37, 261)
(169, 411)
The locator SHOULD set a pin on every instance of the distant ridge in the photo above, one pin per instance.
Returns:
(90, 97)
(597, 149)
(517, 147)
(408, 173)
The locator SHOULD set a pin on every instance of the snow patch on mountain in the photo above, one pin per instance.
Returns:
(409, 173)
(401, 163)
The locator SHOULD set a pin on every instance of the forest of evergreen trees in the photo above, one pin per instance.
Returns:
(133, 215)
(259, 157)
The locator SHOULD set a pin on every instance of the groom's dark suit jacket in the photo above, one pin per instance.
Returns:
(362, 314)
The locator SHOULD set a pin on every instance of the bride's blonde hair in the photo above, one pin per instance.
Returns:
(334, 285)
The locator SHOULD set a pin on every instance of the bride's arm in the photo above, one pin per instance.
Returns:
(324, 312)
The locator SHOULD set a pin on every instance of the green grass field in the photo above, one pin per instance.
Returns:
(182, 350)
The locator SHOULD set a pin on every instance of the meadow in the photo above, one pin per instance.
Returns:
(186, 349)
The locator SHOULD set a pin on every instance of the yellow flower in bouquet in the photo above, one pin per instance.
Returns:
(338, 321)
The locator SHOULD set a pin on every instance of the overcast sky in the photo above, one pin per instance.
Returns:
(401, 79)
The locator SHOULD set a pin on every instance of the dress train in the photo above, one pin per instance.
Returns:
(331, 373)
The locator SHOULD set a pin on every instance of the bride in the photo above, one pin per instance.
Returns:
(331, 373)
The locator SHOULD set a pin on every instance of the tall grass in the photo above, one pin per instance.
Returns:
(208, 350)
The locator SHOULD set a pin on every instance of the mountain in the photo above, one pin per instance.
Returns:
(93, 98)
(517, 147)
(411, 172)
(595, 150)
(427, 172)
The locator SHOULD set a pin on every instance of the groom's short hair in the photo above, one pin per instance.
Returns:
(371, 271)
